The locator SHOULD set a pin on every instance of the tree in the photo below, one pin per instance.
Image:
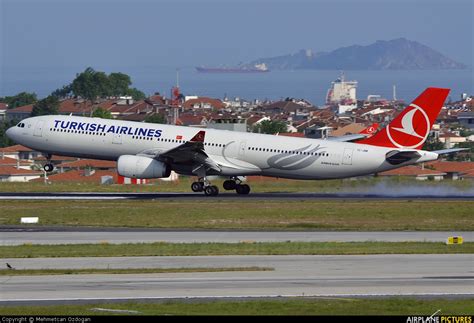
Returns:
(49, 105)
(136, 94)
(156, 118)
(465, 155)
(4, 140)
(92, 84)
(19, 100)
(270, 127)
(63, 92)
(119, 84)
(102, 113)
(83, 85)
(433, 143)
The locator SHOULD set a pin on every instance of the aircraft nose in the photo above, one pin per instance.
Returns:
(10, 133)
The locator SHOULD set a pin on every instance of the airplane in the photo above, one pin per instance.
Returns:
(144, 150)
(364, 133)
(370, 130)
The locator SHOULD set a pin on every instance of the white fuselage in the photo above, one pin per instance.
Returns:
(237, 153)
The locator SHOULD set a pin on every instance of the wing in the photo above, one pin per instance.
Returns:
(189, 153)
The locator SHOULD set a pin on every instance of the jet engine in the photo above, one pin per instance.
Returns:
(142, 167)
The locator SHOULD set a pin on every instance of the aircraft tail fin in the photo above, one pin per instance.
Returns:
(412, 126)
(370, 130)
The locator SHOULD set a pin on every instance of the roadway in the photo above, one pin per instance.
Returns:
(363, 275)
(18, 235)
(410, 194)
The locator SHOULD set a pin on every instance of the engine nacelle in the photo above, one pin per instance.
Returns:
(142, 167)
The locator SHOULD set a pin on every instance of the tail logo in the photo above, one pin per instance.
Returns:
(412, 130)
(370, 129)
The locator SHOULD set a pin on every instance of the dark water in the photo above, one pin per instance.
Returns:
(311, 85)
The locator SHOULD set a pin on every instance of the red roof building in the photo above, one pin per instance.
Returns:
(90, 176)
(7, 161)
(88, 163)
(204, 103)
(415, 171)
(19, 152)
(13, 174)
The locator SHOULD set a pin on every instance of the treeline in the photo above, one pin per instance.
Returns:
(90, 85)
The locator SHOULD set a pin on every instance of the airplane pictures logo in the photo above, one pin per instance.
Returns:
(410, 129)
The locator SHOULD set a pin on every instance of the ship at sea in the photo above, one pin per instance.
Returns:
(257, 68)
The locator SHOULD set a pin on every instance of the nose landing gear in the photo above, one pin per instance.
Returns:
(48, 167)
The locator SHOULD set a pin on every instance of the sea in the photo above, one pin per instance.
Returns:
(311, 85)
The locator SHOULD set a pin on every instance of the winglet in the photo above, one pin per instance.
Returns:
(199, 137)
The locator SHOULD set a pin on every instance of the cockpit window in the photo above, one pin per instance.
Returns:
(21, 125)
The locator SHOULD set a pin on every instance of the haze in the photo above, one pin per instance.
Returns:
(187, 33)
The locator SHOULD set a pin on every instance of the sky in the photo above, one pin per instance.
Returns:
(181, 33)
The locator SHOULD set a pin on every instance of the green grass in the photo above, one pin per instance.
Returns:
(258, 184)
(218, 249)
(84, 271)
(365, 215)
(183, 185)
(301, 306)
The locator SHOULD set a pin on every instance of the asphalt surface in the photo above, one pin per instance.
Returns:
(364, 275)
(49, 235)
(232, 196)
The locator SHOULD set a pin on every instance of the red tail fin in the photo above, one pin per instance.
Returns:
(370, 130)
(412, 126)
(199, 137)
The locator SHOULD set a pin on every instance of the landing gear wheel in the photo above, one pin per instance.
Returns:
(242, 189)
(211, 190)
(197, 186)
(229, 185)
(48, 167)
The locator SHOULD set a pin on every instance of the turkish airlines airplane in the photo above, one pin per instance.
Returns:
(144, 150)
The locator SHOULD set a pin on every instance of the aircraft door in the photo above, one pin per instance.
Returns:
(242, 146)
(117, 139)
(39, 129)
(347, 156)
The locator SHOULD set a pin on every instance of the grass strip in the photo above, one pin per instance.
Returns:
(297, 306)
(259, 184)
(85, 271)
(219, 249)
(338, 215)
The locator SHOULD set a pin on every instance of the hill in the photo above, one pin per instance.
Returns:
(396, 54)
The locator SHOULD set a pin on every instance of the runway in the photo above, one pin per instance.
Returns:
(373, 275)
(458, 195)
(18, 235)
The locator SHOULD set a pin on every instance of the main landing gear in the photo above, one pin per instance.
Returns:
(236, 184)
(48, 167)
(203, 185)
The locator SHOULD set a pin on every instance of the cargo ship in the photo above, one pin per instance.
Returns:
(257, 68)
